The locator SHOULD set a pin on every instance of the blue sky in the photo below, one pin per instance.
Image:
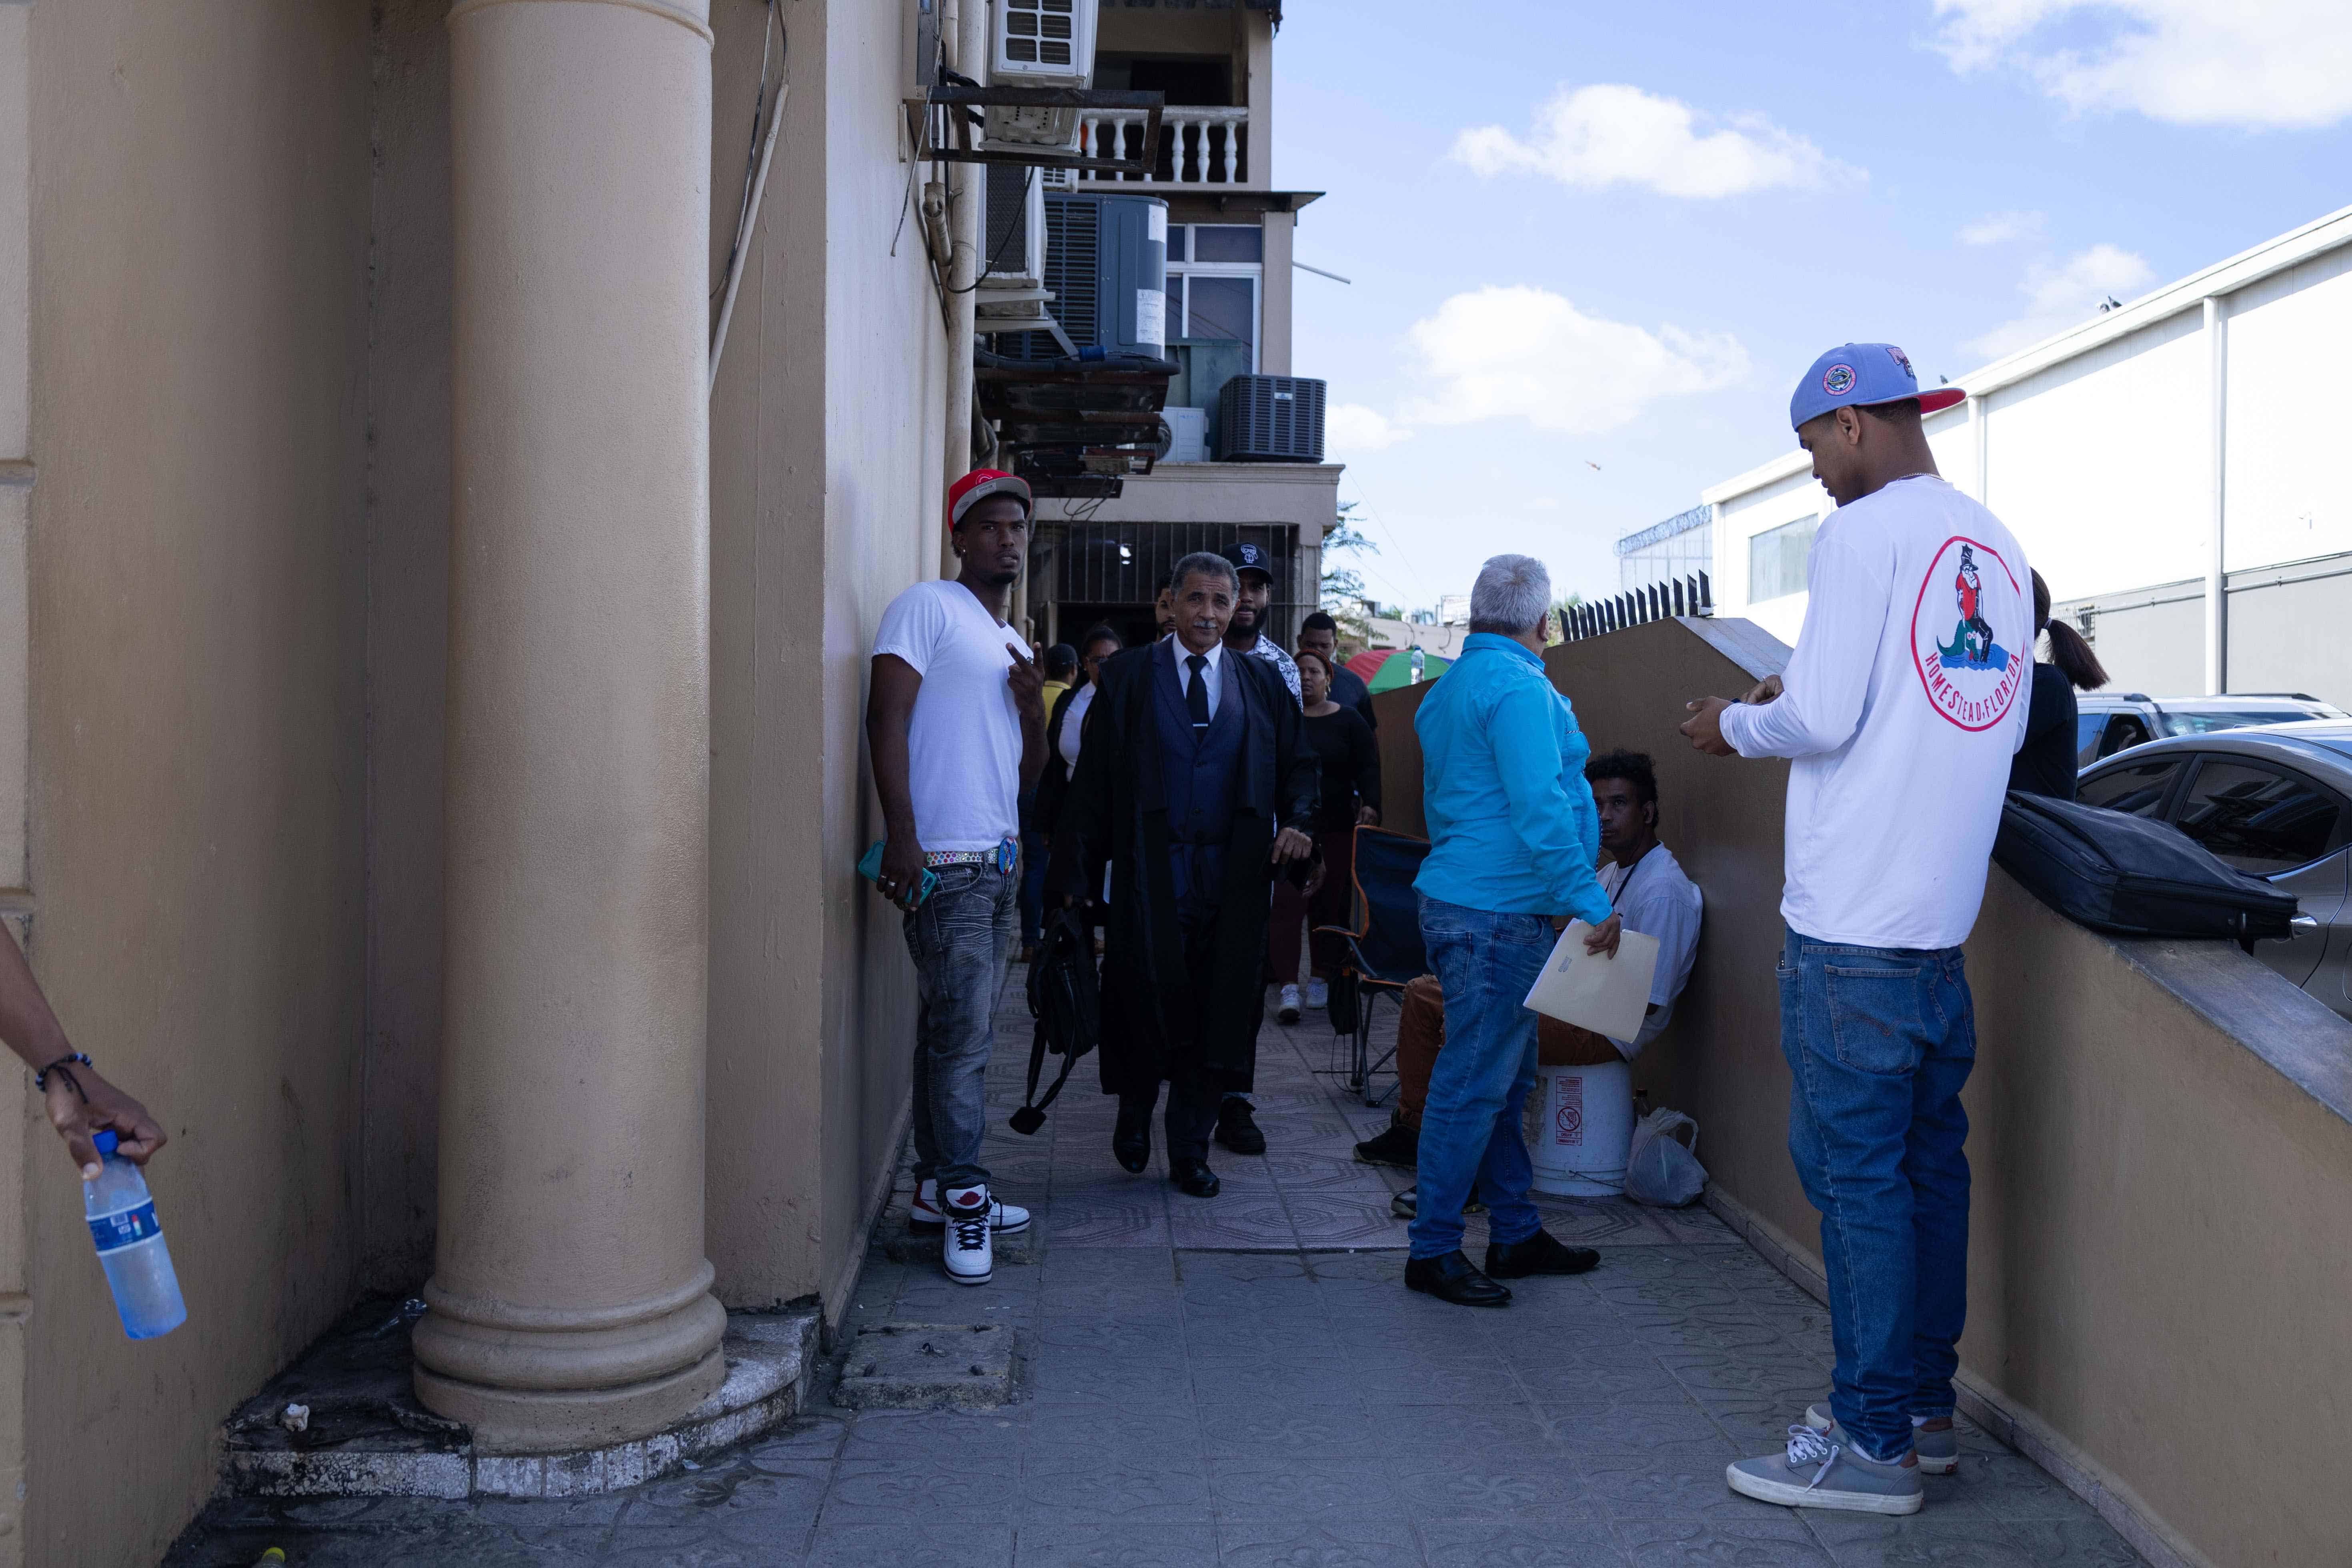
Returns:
(1593, 245)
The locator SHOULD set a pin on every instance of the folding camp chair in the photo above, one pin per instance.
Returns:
(1384, 951)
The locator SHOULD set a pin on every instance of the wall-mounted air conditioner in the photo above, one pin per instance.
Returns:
(1012, 247)
(1270, 419)
(1044, 43)
(1106, 264)
(1040, 43)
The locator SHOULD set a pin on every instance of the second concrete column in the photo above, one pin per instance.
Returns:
(570, 1301)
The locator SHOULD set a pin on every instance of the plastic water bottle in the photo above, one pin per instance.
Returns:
(131, 1246)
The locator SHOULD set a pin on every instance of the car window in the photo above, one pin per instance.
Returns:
(2139, 789)
(2128, 730)
(2087, 729)
(2258, 819)
(2206, 724)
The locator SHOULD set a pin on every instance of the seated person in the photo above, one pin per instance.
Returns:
(1645, 883)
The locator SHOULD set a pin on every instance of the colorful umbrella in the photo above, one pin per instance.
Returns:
(1386, 668)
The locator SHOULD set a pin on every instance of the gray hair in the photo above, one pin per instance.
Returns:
(1511, 597)
(1205, 563)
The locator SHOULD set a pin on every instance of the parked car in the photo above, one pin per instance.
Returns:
(2112, 721)
(2271, 799)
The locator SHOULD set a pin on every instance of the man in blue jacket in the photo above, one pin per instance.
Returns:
(1513, 838)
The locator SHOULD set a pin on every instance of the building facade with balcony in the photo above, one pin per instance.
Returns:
(1228, 311)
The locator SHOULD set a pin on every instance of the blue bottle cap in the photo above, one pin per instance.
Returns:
(107, 1142)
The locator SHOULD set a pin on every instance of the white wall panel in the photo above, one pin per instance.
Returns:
(2290, 338)
(2098, 465)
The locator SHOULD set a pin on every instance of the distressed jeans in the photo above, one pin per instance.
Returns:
(961, 939)
(1879, 1042)
(1486, 963)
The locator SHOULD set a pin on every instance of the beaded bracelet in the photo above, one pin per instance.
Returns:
(41, 1079)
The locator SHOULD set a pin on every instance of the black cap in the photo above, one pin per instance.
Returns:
(1248, 557)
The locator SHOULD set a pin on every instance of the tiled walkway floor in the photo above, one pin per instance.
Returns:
(1245, 1380)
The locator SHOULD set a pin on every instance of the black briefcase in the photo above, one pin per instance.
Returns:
(1065, 1000)
(2133, 876)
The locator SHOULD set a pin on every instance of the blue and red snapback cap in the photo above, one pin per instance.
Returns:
(1860, 375)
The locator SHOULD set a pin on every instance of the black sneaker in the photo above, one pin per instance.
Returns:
(1397, 1145)
(1237, 1130)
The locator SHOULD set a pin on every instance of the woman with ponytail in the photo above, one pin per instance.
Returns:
(2046, 762)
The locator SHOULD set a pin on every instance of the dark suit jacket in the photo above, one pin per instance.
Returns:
(1115, 814)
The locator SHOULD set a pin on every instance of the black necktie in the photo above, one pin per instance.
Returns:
(1196, 691)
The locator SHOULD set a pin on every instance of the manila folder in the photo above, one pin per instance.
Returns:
(1607, 995)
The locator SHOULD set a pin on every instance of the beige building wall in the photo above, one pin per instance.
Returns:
(825, 501)
(198, 257)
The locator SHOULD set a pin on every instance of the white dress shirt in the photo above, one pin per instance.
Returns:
(1656, 899)
(1212, 677)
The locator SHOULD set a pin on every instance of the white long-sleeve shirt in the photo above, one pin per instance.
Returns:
(1901, 705)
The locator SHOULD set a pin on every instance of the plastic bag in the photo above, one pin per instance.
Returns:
(1663, 1169)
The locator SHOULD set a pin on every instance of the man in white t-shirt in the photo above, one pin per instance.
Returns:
(1645, 882)
(956, 725)
(1901, 708)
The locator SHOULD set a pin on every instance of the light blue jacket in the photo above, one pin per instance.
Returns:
(1512, 827)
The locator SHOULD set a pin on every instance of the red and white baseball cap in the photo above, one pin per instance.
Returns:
(979, 485)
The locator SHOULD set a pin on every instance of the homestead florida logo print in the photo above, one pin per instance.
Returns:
(1971, 679)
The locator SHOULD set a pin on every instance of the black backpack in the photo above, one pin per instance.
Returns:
(2133, 876)
(1065, 1000)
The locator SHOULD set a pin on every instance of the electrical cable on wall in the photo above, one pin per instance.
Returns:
(755, 177)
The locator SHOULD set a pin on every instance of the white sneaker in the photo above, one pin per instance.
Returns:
(969, 1259)
(924, 1214)
(1288, 1012)
(1319, 994)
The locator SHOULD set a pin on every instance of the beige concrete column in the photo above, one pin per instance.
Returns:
(571, 1297)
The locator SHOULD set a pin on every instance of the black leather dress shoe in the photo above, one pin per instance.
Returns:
(1237, 1130)
(1451, 1278)
(1130, 1139)
(1194, 1179)
(1542, 1253)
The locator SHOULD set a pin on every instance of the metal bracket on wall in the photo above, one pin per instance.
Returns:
(942, 126)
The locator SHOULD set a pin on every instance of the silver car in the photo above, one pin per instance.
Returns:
(2112, 721)
(2272, 799)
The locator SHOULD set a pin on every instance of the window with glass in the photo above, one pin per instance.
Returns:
(1216, 279)
(2140, 790)
(2260, 819)
(1777, 559)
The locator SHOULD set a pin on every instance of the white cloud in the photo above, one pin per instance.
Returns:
(1353, 427)
(1611, 134)
(1502, 352)
(2064, 293)
(2262, 63)
(1999, 228)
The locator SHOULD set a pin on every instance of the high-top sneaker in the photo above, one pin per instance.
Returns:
(924, 1213)
(965, 1249)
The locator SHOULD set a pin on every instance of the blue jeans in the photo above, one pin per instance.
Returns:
(1485, 962)
(961, 940)
(1880, 1041)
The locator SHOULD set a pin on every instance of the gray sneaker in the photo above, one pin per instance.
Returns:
(1939, 1452)
(1822, 1469)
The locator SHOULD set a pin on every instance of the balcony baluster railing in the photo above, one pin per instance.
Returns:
(1198, 146)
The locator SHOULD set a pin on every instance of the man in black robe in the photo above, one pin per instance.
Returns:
(1194, 786)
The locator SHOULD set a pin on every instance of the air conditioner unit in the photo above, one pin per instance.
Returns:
(1270, 419)
(1188, 435)
(1106, 264)
(1040, 43)
(1044, 43)
(1012, 247)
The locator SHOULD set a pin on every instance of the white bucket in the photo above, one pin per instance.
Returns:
(1580, 1129)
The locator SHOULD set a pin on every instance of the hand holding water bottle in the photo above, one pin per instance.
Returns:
(80, 1102)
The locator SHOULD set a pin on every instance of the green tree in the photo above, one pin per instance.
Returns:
(1342, 585)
